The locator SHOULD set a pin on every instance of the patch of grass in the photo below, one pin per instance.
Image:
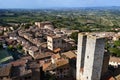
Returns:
(4, 56)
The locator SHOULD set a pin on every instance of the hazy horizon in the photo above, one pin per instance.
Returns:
(39, 4)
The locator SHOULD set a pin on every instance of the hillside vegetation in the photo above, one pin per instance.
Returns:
(83, 19)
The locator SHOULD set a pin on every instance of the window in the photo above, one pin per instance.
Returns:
(87, 77)
(61, 70)
(88, 57)
(49, 41)
(58, 41)
(53, 42)
(57, 76)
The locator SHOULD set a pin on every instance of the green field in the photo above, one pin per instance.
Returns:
(85, 20)
(4, 56)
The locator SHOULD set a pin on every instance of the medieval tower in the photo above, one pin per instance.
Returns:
(90, 57)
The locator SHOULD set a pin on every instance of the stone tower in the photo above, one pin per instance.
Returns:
(90, 57)
(80, 55)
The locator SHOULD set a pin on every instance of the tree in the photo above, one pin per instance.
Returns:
(115, 51)
(26, 26)
(114, 48)
(74, 36)
(19, 46)
(10, 47)
(117, 43)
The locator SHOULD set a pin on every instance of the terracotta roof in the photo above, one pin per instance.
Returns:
(46, 65)
(26, 57)
(33, 48)
(114, 59)
(34, 65)
(69, 54)
(56, 56)
(59, 63)
(5, 70)
(56, 50)
(19, 62)
(43, 55)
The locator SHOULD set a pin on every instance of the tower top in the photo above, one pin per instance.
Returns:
(94, 36)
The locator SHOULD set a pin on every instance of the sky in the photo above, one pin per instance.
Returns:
(37, 4)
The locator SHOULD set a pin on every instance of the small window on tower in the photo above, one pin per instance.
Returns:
(88, 57)
(87, 77)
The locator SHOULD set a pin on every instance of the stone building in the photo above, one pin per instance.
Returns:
(22, 69)
(60, 68)
(54, 42)
(80, 55)
(5, 72)
(58, 44)
(49, 26)
(37, 73)
(41, 25)
(90, 57)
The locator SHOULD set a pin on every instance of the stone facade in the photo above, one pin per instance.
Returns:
(54, 42)
(93, 58)
(90, 57)
(81, 54)
(42, 24)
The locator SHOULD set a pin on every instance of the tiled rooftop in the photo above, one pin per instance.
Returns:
(5, 70)
(69, 54)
